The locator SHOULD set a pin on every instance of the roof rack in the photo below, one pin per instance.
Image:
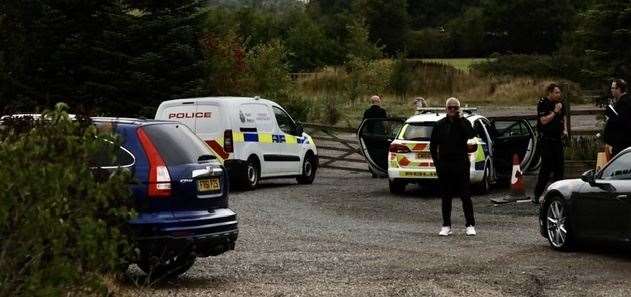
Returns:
(422, 110)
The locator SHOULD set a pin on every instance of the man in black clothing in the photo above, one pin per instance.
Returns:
(448, 145)
(619, 123)
(375, 111)
(552, 128)
(376, 147)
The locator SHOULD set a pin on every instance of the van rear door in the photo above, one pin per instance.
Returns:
(180, 111)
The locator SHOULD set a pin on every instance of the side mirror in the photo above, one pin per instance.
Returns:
(589, 177)
(299, 129)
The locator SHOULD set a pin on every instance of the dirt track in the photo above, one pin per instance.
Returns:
(346, 235)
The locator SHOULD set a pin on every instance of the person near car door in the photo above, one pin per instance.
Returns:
(619, 121)
(448, 146)
(376, 128)
(551, 126)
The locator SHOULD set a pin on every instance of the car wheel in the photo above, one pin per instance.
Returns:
(171, 267)
(308, 171)
(397, 186)
(557, 226)
(252, 177)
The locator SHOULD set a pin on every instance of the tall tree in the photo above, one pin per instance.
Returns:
(60, 50)
(526, 26)
(167, 59)
(603, 37)
(388, 22)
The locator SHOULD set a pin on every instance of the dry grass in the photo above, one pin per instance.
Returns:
(434, 81)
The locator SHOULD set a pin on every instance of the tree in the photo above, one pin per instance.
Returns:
(167, 59)
(526, 26)
(388, 23)
(603, 37)
(52, 50)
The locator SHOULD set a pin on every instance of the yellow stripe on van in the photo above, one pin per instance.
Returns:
(265, 137)
(290, 139)
(237, 137)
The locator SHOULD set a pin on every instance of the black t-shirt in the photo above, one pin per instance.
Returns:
(553, 129)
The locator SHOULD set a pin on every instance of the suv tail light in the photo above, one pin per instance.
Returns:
(472, 147)
(399, 148)
(228, 145)
(159, 177)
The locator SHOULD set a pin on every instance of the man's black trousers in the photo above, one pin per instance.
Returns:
(454, 180)
(552, 161)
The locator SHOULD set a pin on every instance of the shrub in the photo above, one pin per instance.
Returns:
(59, 225)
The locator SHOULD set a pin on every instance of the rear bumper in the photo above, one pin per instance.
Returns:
(206, 233)
(428, 174)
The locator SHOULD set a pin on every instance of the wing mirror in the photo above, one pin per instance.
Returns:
(589, 177)
(299, 129)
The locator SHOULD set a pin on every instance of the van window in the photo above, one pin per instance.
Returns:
(284, 121)
(256, 115)
(208, 119)
(177, 144)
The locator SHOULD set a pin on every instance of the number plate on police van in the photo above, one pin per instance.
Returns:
(205, 185)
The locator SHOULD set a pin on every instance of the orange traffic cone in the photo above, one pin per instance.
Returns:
(517, 179)
(517, 189)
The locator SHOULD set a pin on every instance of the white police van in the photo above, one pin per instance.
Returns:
(399, 148)
(254, 138)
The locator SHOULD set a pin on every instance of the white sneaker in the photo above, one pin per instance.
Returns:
(444, 231)
(470, 231)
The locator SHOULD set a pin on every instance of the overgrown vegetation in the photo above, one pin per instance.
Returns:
(60, 226)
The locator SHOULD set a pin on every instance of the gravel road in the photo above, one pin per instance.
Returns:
(346, 235)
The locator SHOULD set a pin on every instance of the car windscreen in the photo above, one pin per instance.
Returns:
(418, 131)
(176, 143)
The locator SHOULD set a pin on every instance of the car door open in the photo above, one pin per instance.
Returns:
(375, 136)
(514, 137)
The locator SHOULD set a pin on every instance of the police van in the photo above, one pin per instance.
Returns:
(399, 148)
(255, 138)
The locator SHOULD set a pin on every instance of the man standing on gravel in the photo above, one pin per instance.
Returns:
(619, 122)
(551, 125)
(448, 145)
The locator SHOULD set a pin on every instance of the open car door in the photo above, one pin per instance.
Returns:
(514, 137)
(375, 136)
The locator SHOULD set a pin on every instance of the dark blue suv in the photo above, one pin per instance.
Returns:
(180, 192)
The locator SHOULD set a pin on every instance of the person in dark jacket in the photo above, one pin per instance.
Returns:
(619, 122)
(376, 129)
(448, 146)
(375, 111)
(551, 125)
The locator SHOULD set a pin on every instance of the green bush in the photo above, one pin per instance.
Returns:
(60, 227)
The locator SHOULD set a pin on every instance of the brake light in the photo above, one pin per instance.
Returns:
(399, 148)
(159, 177)
(228, 146)
(472, 147)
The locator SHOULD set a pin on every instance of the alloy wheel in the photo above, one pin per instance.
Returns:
(556, 218)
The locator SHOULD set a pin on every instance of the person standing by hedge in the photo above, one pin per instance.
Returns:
(552, 128)
(619, 122)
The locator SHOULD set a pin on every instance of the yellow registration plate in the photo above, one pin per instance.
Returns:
(423, 155)
(205, 185)
(419, 173)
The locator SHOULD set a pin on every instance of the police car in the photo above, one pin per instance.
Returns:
(399, 148)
